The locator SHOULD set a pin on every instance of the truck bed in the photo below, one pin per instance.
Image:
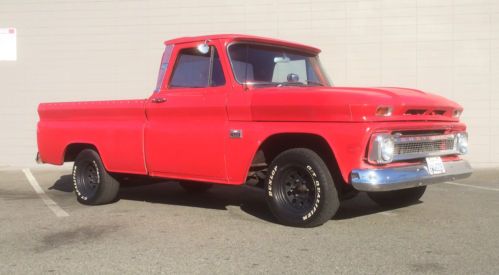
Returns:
(115, 127)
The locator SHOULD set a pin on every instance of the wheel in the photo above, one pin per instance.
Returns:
(300, 190)
(195, 187)
(92, 183)
(398, 197)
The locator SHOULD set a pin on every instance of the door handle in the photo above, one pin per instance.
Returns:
(158, 100)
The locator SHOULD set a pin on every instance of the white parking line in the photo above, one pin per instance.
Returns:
(474, 186)
(58, 211)
(388, 213)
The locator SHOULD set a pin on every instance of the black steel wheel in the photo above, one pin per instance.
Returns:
(300, 190)
(92, 183)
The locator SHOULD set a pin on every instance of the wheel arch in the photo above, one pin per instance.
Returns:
(277, 143)
(73, 149)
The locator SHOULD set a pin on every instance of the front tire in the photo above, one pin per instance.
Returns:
(398, 197)
(300, 190)
(93, 185)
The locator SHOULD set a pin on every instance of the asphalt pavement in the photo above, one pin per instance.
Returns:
(158, 228)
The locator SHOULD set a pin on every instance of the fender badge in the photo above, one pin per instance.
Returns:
(236, 133)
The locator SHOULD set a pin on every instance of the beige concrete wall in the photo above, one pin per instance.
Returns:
(82, 50)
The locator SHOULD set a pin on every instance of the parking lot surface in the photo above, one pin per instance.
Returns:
(159, 228)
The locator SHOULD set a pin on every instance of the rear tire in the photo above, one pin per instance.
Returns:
(300, 190)
(398, 197)
(195, 187)
(93, 185)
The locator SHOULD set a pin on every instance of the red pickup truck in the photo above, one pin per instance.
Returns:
(239, 109)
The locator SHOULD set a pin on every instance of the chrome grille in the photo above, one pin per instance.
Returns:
(419, 146)
(424, 146)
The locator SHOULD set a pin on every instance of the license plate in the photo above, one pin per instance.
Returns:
(435, 165)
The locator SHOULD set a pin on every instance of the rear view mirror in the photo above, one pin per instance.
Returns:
(293, 78)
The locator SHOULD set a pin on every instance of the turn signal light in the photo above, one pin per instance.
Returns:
(384, 111)
(457, 113)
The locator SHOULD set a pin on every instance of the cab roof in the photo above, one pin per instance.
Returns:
(243, 37)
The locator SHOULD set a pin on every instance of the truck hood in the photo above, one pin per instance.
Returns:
(349, 104)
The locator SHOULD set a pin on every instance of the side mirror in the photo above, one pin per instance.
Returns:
(203, 48)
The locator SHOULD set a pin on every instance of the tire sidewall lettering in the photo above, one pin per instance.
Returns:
(271, 179)
(317, 201)
(75, 180)
(75, 185)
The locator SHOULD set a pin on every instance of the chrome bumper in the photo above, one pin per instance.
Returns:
(406, 177)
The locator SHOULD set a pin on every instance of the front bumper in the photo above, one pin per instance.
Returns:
(406, 177)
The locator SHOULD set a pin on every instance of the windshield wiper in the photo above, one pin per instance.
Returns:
(314, 82)
(263, 83)
(300, 84)
(281, 84)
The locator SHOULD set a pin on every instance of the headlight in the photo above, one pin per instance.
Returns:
(387, 149)
(382, 149)
(462, 143)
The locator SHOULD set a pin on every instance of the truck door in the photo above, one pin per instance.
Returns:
(187, 119)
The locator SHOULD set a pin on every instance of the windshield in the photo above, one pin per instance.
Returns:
(273, 65)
